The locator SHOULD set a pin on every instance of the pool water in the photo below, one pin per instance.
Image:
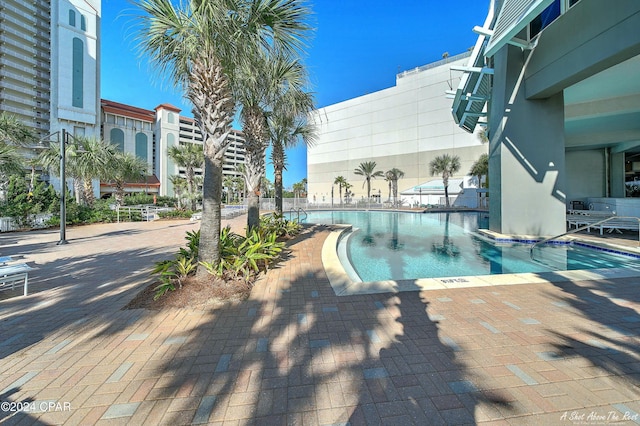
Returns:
(397, 245)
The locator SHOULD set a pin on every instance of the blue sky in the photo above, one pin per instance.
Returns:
(358, 47)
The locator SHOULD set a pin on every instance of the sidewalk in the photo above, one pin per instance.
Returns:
(294, 353)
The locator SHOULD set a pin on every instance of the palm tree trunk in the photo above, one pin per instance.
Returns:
(277, 156)
(253, 187)
(445, 183)
(277, 179)
(209, 247)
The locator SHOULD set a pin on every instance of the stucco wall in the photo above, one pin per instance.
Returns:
(404, 126)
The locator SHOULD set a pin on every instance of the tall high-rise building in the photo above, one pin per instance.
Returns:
(50, 64)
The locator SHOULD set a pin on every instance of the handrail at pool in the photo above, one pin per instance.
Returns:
(298, 210)
(582, 228)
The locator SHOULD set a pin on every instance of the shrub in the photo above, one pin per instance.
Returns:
(279, 225)
(176, 214)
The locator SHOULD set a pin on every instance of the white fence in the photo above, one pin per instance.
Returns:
(33, 221)
(145, 212)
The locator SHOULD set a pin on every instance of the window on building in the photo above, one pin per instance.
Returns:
(141, 146)
(170, 118)
(117, 138)
(83, 23)
(541, 21)
(632, 174)
(72, 18)
(111, 118)
(77, 73)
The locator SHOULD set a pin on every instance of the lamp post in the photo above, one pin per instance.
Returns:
(63, 139)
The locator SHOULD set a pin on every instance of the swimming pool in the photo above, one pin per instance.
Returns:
(403, 246)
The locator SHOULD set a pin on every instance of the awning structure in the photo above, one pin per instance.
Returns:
(144, 183)
(514, 16)
(436, 187)
(474, 90)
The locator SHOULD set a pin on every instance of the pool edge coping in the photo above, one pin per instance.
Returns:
(343, 285)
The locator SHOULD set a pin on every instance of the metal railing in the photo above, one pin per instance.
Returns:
(297, 211)
(582, 228)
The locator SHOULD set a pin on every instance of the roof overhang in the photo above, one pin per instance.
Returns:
(436, 187)
(514, 16)
(474, 90)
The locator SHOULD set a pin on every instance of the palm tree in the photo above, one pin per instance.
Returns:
(288, 126)
(86, 159)
(446, 166)
(229, 184)
(395, 175)
(200, 45)
(190, 157)
(388, 177)
(179, 188)
(342, 183)
(14, 132)
(93, 160)
(264, 83)
(366, 169)
(298, 188)
(125, 167)
(480, 169)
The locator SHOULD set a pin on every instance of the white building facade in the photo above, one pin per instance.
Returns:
(404, 127)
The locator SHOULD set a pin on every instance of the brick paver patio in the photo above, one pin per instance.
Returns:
(294, 353)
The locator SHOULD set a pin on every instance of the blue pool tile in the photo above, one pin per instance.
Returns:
(448, 341)
(375, 373)
(373, 336)
(262, 345)
(175, 340)
(223, 363)
(319, 343)
(21, 381)
(204, 410)
(120, 372)
(463, 386)
(121, 410)
(522, 375)
(628, 415)
(511, 305)
(489, 327)
(549, 356)
(57, 348)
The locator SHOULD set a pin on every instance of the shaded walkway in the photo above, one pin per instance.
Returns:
(294, 353)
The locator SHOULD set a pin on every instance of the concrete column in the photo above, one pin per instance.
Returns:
(526, 153)
(616, 175)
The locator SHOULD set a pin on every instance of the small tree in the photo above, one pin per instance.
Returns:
(190, 157)
(366, 169)
(446, 166)
(480, 169)
(125, 167)
(341, 182)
